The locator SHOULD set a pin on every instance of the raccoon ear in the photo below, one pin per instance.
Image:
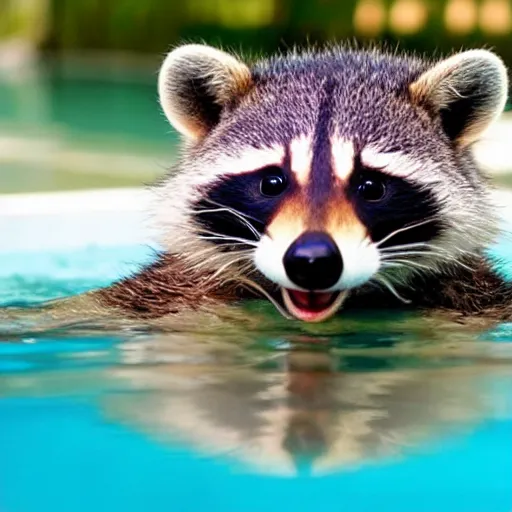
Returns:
(196, 82)
(468, 91)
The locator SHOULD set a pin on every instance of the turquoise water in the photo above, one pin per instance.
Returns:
(371, 413)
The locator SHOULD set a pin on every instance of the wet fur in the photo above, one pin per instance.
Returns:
(166, 288)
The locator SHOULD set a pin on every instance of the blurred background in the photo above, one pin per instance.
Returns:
(78, 104)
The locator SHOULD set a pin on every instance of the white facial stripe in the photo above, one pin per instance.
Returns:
(398, 164)
(342, 152)
(361, 261)
(245, 160)
(301, 156)
(268, 259)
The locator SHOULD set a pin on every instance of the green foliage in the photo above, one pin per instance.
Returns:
(27, 19)
(152, 26)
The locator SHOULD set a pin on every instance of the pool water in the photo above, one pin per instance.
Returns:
(368, 413)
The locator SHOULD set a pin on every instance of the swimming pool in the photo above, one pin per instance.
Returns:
(382, 416)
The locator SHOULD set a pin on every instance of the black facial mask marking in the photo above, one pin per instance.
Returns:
(243, 194)
(402, 204)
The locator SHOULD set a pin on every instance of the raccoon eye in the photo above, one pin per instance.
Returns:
(273, 184)
(371, 189)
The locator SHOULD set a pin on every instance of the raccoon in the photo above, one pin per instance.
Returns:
(324, 181)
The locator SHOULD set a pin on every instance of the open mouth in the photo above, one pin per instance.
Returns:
(313, 306)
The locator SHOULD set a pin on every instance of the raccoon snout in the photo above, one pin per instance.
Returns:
(313, 261)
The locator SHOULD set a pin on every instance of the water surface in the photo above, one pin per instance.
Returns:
(369, 412)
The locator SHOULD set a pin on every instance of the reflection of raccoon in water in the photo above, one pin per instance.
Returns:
(304, 410)
(277, 411)
(324, 179)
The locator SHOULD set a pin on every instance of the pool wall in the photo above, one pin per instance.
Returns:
(107, 217)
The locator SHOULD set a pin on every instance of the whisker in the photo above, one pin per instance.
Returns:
(235, 210)
(415, 245)
(201, 253)
(407, 262)
(236, 241)
(242, 272)
(220, 270)
(401, 230)
(212, 235)
(237, 215)
(460, 264)
(415, 253)
(220, 256)
(432, 247)
(442, 257)
(391, 288)
(431, 250)
(197, 262)
(232, 244)
(267, 295)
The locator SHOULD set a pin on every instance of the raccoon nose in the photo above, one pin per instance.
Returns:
(313, 261)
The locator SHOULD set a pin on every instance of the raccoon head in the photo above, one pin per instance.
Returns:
(318, 173)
